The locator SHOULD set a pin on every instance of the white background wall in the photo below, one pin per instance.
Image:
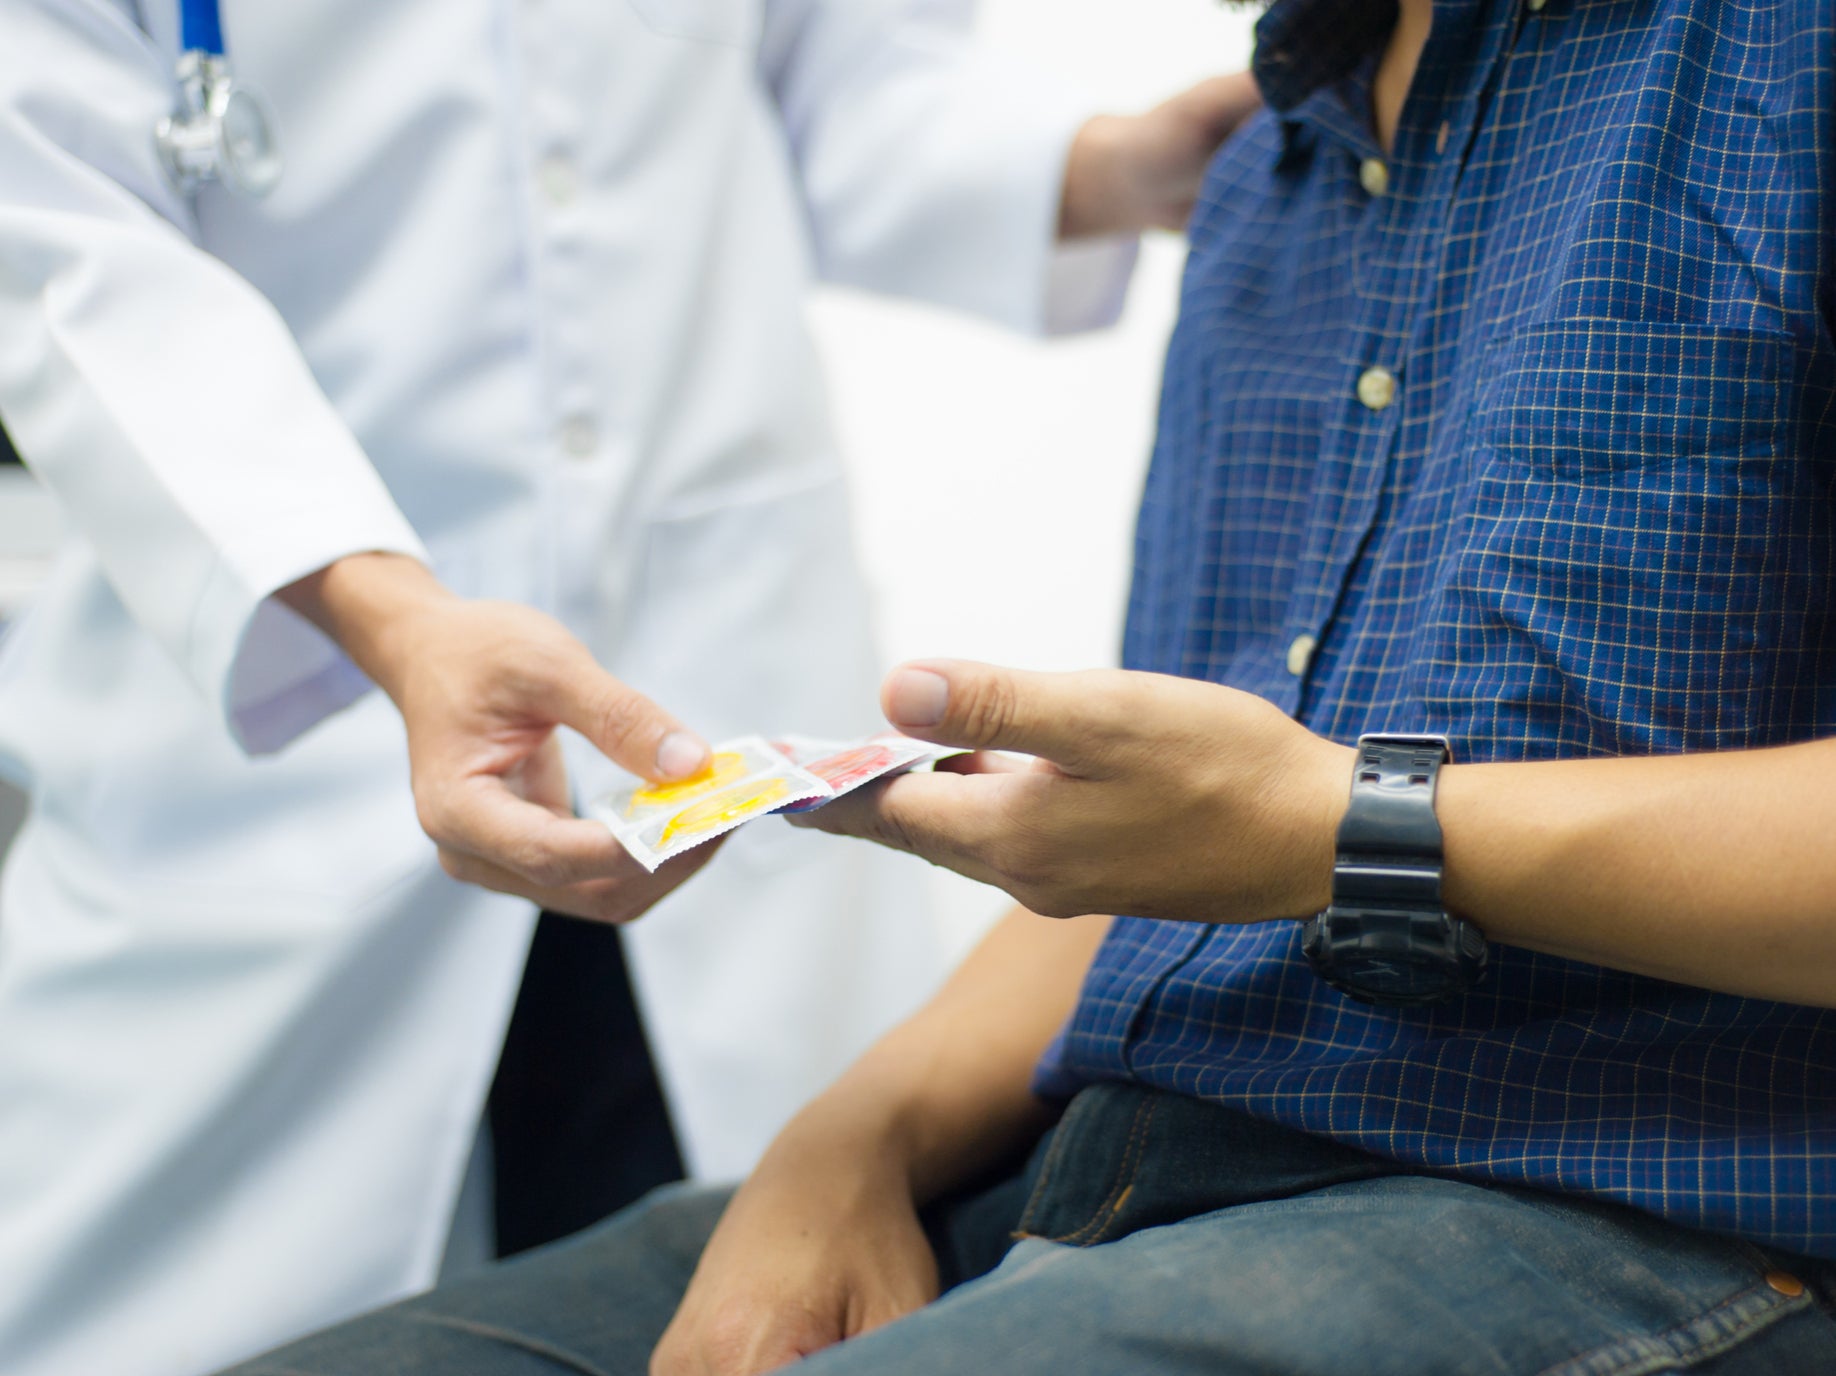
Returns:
(996, 478)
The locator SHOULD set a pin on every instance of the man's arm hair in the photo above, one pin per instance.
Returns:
(1717, 870)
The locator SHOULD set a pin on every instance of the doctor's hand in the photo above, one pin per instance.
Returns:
(1149, 795)
(1129, 173)
(482, 687)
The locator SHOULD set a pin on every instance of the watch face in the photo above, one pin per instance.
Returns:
(1399, 979)
(1394, 958)
(251, 162)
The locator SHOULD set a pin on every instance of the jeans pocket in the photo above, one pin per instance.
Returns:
(1090, 1165)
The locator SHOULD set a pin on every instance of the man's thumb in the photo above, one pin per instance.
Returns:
(986, 707)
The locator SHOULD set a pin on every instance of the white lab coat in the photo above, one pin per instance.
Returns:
(528, 304)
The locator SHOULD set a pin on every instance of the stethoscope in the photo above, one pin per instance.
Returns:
(219, 131)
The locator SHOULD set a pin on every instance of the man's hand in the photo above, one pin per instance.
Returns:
(481, 687)
(821, 1244)
(1129, 173)
(824, 1243)
(1150, 795)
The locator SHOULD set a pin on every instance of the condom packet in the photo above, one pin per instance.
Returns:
(745, 778)
(847, 765)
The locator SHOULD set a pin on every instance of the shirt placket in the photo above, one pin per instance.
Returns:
(575, 433)
(1382, 411)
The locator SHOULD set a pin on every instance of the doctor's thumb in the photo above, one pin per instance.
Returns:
(628, 727)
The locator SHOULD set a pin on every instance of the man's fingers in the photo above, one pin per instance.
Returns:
(1065, 718)
(623, 724)
(952, 820)
(984, 762)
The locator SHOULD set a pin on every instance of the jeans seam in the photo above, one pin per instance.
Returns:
(1143, 1110)
(1138, 1134)
(1738, 1318)
(534, 1346)
(1060, 1145)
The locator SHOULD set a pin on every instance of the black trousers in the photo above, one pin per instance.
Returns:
(579, 1125)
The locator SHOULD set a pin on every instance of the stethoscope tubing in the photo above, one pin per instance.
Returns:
(201, 27)
(218, 131)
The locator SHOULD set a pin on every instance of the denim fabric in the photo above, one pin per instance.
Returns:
(1588, 513)
(1155, 1233)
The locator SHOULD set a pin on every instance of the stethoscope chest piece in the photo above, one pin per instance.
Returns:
(219, 132)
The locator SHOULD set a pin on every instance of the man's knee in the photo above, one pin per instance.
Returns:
(601, 1297)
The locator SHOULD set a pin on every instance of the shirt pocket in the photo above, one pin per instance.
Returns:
(1634, 546)
(1590, 399)
(734, 22)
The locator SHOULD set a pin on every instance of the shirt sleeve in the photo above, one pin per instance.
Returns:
(156, 393)
(934, 168)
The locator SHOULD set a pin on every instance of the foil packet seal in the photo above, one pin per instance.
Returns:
(847, 765)
(745, 778)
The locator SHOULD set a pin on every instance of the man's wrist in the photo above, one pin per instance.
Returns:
(1325, 794)
(363, 602)
(901, 1113)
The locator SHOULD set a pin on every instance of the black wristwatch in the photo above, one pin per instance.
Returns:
(1386, 938)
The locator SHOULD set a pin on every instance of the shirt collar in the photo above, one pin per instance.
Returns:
(1305, 45)
(1315, 60)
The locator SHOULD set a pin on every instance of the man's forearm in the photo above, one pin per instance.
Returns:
(948, 1090)
(1717, 870)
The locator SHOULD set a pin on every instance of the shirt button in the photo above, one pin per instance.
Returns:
(1376, 388)
(1535, 6)
(580, 437)
(1373, 176)
(1785, 1283)
(1441, 136)
(560, 183)
(1300, 654)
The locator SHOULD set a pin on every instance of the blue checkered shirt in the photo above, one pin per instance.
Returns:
(1521, 435)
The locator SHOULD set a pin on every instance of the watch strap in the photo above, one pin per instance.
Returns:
(1389, 845)
(1387, 938)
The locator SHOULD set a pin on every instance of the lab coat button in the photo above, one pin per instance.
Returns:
(1376, 388)
(560, 183)
(580, 437)
(1300, 654)
(1373, 176)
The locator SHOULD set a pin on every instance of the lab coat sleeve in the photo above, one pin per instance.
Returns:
(933, 167)
(156, 393)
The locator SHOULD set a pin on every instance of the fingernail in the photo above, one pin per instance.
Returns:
(917, 697)
(680, 755)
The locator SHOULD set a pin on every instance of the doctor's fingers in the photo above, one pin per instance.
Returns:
(621, 722)
(482, 818)
(618, 898)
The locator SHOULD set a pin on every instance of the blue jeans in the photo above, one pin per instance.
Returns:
(1154, 1233)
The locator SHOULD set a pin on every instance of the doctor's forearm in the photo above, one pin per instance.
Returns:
(362, 601)
(1130, 173)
